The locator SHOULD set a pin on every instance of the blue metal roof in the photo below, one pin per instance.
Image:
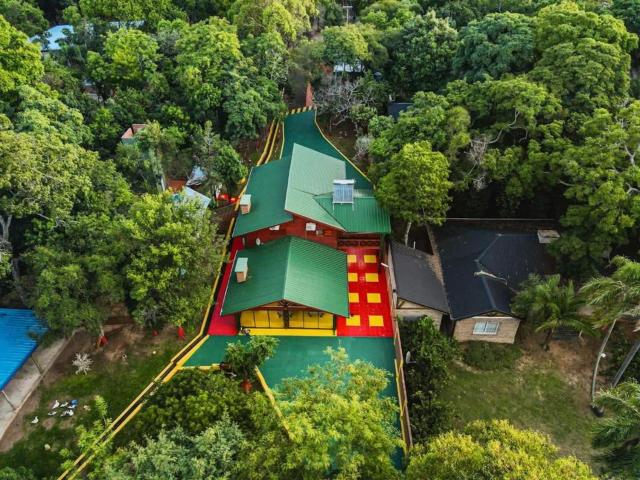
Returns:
(16, 345)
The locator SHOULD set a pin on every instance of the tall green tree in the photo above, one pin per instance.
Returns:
(345, 44)
(617, 435)
(129, 60)
(173, 250)
(493, 450)
(20, 62)
(24, 15)
(584, 56)
(338, 420)
(416, 189)
(421, 54)
(498, 44)
(549, 305)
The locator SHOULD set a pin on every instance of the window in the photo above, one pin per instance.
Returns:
(485, 328)
(310, 227)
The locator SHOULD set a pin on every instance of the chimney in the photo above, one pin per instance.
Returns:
(245, 204)
(343, 191)
(242, 269)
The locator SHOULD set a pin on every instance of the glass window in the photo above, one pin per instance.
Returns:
(485, 328)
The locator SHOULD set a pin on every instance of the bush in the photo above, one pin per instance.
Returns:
(617, 350)
(428, 372)
(193, 400)
(490, 356)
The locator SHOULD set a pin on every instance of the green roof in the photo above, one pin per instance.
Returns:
(364, 216)
(302, 185)
(267, 186)
(284, 269)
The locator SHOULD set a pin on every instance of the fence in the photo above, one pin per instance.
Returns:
(405, 425)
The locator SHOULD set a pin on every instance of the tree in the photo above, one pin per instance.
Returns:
(219, 161)
(618, 434)
(209, 53)
(193, 400)
(495, 45)
(269, 55)
(20, 473)
(130, 59)
(174, 455)
(493, 450)
(151, 12)
(416, 189)
(615, 298)
(602, 181)
(389, 14)
(20, 62)
(40, 176)
(344, 44)
(243, 358)
(338, 420)
(421, 54)
(432, 118)
(629, 12)
(173, 250)
(288, 18)
(549, 305)
(24, 15)
(584, 56)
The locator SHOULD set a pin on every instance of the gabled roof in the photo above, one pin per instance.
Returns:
(284, 269)
(483, 268)
(301, 185)
(267, 186)
(416, 279)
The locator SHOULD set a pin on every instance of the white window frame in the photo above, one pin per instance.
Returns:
(481, 327)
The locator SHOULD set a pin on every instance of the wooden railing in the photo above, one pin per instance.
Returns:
(405, 425)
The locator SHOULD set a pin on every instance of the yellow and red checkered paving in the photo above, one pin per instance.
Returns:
(368, 296)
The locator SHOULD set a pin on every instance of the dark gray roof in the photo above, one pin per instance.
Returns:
(416, 281)
(394, 108)
(506, 258)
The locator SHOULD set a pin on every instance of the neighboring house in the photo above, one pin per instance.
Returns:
(478, 269)
(189, 194)
(295, 216)
(416, 287)
(394, 109)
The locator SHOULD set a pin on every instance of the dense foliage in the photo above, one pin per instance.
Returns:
(429, 355)
(493, 450)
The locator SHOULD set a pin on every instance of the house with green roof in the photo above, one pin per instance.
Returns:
(296, 215)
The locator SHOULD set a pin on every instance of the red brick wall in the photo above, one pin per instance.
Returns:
(295, 227)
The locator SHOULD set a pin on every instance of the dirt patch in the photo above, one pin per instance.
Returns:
(121, 342)
(573, 359)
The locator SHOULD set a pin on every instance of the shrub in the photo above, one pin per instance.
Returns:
(490, 356)
(428, 372)
(617, 350)
(193, 400)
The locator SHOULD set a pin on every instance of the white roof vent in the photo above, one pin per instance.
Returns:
(343, 191)
(548, 236)
(245, 203)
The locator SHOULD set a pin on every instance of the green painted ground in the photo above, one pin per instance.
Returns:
(295, 354)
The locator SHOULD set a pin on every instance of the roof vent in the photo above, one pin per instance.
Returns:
(242, 269)
(343, 191)
(548, 236)
(245, 203)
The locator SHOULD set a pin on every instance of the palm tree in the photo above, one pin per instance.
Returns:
(615, 298)
(618, 434)
(550, 304)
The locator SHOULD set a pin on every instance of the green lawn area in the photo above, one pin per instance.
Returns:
(119, 382)
(530, 396)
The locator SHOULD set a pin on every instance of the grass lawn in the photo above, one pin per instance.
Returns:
(531, 396)
(117, 380)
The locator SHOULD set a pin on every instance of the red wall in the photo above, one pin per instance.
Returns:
(295, 227)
